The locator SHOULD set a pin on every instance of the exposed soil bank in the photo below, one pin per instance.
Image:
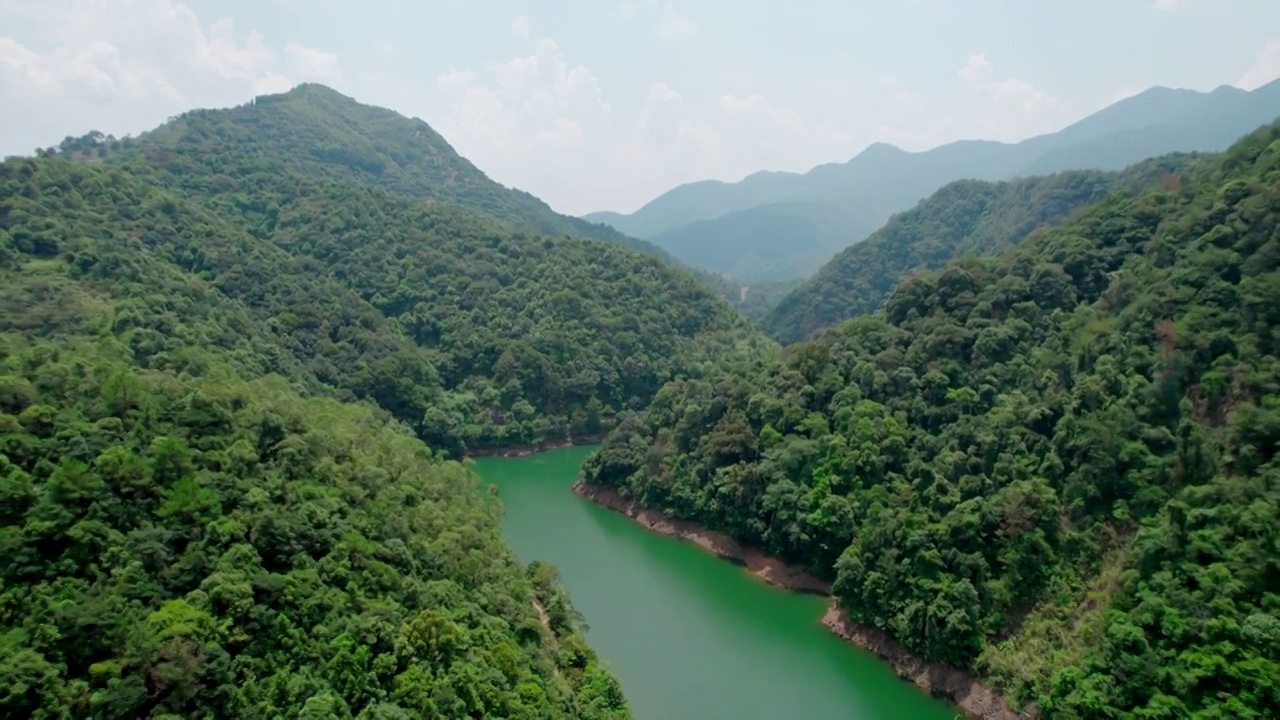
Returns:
(957, 685)
(771, 570)
(523, 450)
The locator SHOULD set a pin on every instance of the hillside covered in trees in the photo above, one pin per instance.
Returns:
(1056, 465)
(213, 365)
(190, 544)
(776, 225)
(470, 334)
(967, 217)
(315, 131)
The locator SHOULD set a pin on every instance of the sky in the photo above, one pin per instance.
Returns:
(605, 104)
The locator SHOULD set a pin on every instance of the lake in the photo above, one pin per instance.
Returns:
(690, 635)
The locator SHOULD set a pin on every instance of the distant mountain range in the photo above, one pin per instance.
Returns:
(781, 225)
(963, 218)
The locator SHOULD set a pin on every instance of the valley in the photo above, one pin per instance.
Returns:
(303, 414)
(687, 634)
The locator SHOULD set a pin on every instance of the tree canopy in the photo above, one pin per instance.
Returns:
(967, 217)
(471, 334)
(1056, 465)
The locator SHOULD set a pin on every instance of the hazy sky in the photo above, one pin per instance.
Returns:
(603, 104)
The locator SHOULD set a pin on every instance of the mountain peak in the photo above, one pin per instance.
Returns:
(319, 132)
(881, 150)
(310, 89)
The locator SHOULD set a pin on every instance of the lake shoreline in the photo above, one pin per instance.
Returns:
(514, 451)
(959, 686)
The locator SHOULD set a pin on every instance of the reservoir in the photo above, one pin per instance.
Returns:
(689, 635)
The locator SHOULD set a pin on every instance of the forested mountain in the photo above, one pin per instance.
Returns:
(189, 544)
(317, 132)
(966, 217)
(746, 245)
(884, 179)
(217, 343)
(190, 528)
(470, 334)
(1056, 465)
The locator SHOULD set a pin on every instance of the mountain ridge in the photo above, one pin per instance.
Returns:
(1055, 466)
(964, 217)
(567, 324)
(883, 179)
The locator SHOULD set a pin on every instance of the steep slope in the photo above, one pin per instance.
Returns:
(187, 535)
(470, 335)
(208, 547)
(967, 217)
(883, 179)
(702, 200)
(1156, 122)
(1056, 466)
(766, 243)
(501, 338)
(315, 131)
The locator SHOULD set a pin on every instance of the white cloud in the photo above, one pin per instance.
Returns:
(540, 120)
(674, 26)
(520, 26)
(517, 110)
(1265, 68)
(312, 63)
(661, 92)
(455, 80)
(126, 65)
(900, 94)
(1019, 108)
(777, 116)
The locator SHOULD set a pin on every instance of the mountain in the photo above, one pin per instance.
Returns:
(1055, 466)
(702, 200)
(187, 543)
(746, 247)
(320, 133)
(884, 179)
(473, 335)
(212, 499)
(966, 217)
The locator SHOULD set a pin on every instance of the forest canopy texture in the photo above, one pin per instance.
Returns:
(966, 217)
(1056, 465)
(217, 370)
(336, 272)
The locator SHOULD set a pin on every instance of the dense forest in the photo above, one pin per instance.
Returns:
(194, 545)
(212, 369)
(1055, 465)
(967, 217)
(316, 132)
(472, 335)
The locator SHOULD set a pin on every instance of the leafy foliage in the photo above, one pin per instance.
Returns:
(968, 217)
(1085, 427)
(471, 335)
(201, 521)
(779, 222)
(183, 545)
(316, 132)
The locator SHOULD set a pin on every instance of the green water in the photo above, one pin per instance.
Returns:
(688, 634)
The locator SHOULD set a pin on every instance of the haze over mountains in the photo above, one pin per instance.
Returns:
(782, 225)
